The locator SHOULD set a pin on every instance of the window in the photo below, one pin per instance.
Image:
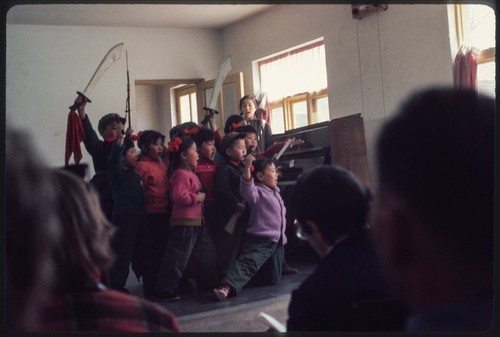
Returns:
(186, 104)
(296, 86)
(476, 27)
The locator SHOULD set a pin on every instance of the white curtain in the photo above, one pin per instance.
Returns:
(294, 73)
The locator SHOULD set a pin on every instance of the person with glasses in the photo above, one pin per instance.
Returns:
(331, 210)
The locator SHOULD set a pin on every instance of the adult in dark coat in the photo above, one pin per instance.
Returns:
(433, 219)
(347, 291)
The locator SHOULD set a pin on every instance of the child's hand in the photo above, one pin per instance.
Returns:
(129, 131)
(120, 138)
(240, 207)
(249, 158)
(200, 197)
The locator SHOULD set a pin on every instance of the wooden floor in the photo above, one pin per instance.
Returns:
(201, 311)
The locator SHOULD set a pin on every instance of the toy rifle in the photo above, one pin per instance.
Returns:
(127, 103)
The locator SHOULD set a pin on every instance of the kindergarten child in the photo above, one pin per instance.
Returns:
(252, 143)
(109, 127)
(153, 172)
(186, 218)
(233, 123)
(232, 214)
(202, 266)
(262, 252)
(129, 212)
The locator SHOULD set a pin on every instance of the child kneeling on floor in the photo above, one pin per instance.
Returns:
(261, 258)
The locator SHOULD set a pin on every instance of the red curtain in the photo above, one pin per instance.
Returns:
(465, 69)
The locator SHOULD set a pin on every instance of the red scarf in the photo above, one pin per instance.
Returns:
(74, 135)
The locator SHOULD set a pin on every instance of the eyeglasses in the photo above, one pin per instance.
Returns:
(299, 231)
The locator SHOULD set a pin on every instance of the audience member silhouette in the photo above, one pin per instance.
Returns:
(31, 231)
(433, 216)
(331, 211)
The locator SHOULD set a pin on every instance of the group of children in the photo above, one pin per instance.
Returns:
(200, 207)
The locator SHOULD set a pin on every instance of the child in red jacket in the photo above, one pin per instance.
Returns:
(153, 172)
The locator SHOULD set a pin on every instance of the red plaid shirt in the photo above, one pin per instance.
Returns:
(107, 310)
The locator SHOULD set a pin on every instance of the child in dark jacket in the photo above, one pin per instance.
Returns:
(232, 214)
(109, 127)
(262, 251)
(129, 212)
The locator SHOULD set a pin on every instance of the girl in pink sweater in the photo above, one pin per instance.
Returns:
(186, 219)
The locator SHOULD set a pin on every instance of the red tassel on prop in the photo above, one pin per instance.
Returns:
(74, 136)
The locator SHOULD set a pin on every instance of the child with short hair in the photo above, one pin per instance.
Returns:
(109, 127)
(252, 143)
(262, 251)
(186, 218)
(153, 172)
(129, 212)
(232, 214)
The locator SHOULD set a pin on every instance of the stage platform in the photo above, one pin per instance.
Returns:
(201, 311)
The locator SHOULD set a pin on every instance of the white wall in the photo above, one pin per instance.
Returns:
(372, 63)
(46, 65)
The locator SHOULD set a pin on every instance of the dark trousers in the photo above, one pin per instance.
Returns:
(260, 259)
(101, 183)
(126, 246)
(180, 244)
(154, 240)
(202, 265)
(227, 246)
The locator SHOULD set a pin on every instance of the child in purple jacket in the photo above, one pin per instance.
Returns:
(261, 257)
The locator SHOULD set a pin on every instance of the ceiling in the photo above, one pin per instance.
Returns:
(190, 16)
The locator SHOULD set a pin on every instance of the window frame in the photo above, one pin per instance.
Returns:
(287, 106)
(187, 90)
(485, 55)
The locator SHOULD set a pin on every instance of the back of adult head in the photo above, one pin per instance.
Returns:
(85, 252)
(436, 155)
(31, 231)
(333, 199)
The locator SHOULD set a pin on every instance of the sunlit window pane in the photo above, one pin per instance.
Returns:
(486, 78)
(300, 113)
(277, 120)
(184, 108)
(323, 113)
(194, 108)
(480, 23)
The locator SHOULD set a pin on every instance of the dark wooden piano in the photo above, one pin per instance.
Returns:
(340, 141)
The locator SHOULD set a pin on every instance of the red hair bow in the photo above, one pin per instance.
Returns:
(235, 126)
(191, 131)
(173, 146)
(136, 137)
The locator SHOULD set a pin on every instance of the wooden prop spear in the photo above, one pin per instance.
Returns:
(127, 103)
